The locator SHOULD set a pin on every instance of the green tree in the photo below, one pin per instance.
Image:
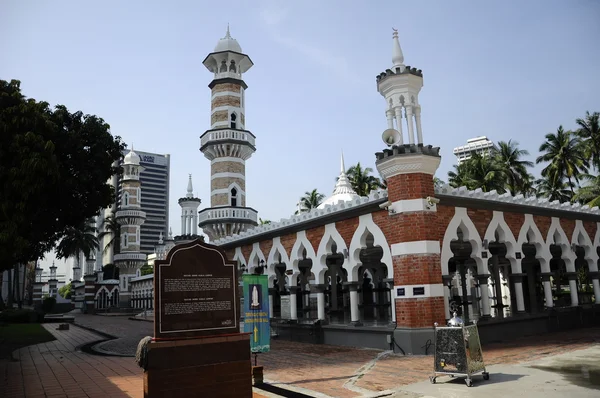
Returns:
(310, 200)
(66, 291)
(438, 182)
(553, 189)
(563, 153)
(54, 173)
(589, 133)
(263, 222)
(110, 271)
(77, 240)
(478, 172)
(510, 163)
(146, 269)
(589, 194)
(362, 181)
(112, 229)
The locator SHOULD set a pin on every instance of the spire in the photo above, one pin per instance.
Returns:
(397, 56)
(190, 189)
(227, 35)
(343, 185)
(343, 167)
(170, 233)
(160, 238)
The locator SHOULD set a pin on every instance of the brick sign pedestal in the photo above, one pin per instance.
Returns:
(197, 349)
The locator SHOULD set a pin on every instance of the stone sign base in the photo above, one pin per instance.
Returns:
(218, 367)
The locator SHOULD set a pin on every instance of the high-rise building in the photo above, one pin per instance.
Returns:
(481, 145)
(154, 180)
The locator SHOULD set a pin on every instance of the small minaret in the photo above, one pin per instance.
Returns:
(131, 217)
(400, 86)
(53, 281)
(189, 211)
(227, 144)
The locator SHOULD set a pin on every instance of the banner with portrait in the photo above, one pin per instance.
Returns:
(256, 311)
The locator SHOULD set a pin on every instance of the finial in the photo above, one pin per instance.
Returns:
(397, 56)
(343, 167)
(227, 35)
(160, 238)
(190, 189)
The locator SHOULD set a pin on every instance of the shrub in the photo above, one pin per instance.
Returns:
(48, 304)
(20, 316)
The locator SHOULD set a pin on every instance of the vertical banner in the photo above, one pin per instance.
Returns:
(256, 311)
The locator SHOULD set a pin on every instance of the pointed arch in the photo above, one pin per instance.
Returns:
(301, 243)
(581, 238)
(255, 256)
(462, 221)
(557, 231)
(505, 235)
(272, 260)
(239, 256)
(366, 225)
(530, 232)
(100, 290)
(330, 236)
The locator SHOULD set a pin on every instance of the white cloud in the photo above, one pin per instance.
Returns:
(273, 14)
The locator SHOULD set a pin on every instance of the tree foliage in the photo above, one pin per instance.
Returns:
(66, 291)
(310, 200)
(54, 173)
(362, 181)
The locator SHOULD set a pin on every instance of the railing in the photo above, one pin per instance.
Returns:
(223, 213)
(131, 214)
(221, 135)
(130, 257)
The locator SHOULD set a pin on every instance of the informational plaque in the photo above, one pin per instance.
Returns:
(195, 292)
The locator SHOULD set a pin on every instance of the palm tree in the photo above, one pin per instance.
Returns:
(438, 182)
(77, 240)
(478, 172)
(553, 189)
(589, 132)
(508, 157)
(263, 222)
(310, 200)
(590, 193)
(113, 229)
(563, 152)
(362, 181)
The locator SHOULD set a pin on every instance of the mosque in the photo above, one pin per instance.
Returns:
(376, 271)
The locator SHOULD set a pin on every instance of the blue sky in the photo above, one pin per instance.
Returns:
(505, 69)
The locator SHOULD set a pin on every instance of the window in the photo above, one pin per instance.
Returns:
(233, 119)
(126, 199)
(233, 197)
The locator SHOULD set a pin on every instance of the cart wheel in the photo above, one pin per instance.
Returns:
(486, 376)
(469, 382)
(451, 375)
(432, 379)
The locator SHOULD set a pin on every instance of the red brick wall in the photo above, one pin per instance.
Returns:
(543, 224)
(347, 228)
(287, 241)
(515, 222)
(417, 269)
(410, 186)
(246, 251)
(481, 218)
(265, 247)
(315, 235)
(590, 228)
(420, 312)
(569, 227)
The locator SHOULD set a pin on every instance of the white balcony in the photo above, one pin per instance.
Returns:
(216, 136)
(220, 214)
(130, 257)
(130, 217)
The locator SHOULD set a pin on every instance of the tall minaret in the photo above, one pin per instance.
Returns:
(189, 211)
(400, 86)
(227, 144)
(131, 217)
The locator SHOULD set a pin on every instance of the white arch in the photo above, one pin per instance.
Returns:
(239, 256)
(255, 256)
(581, 237)
(277, 248)
(505, 236)
(239, 191)
(330, 236)
(302, 242)
(461, 220)
(567, 254)
(531, 230)
(99, 290)
(359, 241)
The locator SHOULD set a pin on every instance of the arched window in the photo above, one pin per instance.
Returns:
(126, 199)
(233, 119)
(232, 66)
(233, 197)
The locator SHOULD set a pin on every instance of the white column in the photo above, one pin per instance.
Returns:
(573, 288)
(485, 294)
(189, 224)
(270, 306)
(390, 118)
(398, 111)
(182, 222)
(418, 122)
(195, 221)
(548, 293)
(354, 314)
(409, 120)
(293, 308)
(519, 294)
(321, 305)
(596, 285)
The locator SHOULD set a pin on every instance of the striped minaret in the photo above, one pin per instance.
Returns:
(227, 144)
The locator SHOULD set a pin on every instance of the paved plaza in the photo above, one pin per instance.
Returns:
(531, 367)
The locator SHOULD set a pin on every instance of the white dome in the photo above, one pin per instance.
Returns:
(131, 158)
(340, 197)
(228, 43)
(343, 191)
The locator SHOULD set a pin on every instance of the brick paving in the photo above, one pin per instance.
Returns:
(59, 369)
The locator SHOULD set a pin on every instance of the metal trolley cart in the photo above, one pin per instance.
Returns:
(457, 351)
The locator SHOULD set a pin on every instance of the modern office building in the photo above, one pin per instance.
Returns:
(481, 145)
(154, 178)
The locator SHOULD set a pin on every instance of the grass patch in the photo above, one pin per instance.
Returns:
(17, 335)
